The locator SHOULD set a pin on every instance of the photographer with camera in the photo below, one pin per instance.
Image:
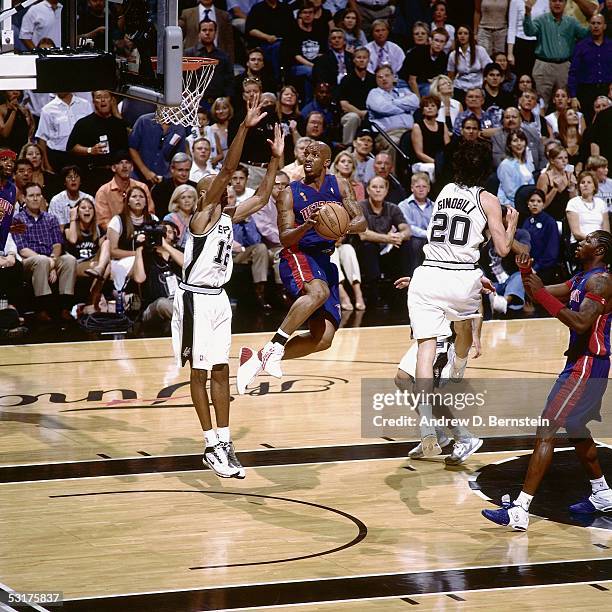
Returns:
(157, 268)
(123, 230)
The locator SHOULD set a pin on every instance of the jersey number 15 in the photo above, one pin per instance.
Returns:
(458, 233)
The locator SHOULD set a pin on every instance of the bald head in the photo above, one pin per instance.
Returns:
(324, 150)
(317, 158)
(205, 183)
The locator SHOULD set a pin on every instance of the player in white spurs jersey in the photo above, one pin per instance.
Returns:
(201, 321)
(447, 286)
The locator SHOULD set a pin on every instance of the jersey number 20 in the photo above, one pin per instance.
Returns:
(222, 259)
(458, 233)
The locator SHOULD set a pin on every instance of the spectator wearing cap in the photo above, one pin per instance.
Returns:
(152, 145)
(180, 167)
(382, 51)
(222, 82)
(205, 10)
(40, 247)
(390, 108)
(556, 35)
(110, 197)
(424, 62)
(57, 118)
(61, 203)
(96, 138)
(353, 93)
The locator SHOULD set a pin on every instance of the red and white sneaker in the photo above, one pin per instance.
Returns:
(271, 355)
(249, 367)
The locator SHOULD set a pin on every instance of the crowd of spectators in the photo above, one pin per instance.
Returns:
(103, 188)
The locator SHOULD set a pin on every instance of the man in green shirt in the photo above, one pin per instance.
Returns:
(556, 35)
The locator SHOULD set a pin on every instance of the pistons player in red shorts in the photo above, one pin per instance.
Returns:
(305, 268)
(584, 304)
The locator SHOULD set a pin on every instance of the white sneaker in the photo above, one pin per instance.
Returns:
(232, 460)
(597, 502)
(499, 304)
(249, 367)
(417, 451)
(451, 371)
(215, 457)
(462, 450)
(271, 355)
(430, 446)
(509, 515)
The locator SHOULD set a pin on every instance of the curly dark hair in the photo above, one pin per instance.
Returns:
(604, 239)
(472, 163)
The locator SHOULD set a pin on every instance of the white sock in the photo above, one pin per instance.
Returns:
(224, 434)
(599, 484)
(426, 412)
(210, 437)
(524, 500)
(460, 362)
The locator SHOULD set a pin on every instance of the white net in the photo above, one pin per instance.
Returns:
(195, 82)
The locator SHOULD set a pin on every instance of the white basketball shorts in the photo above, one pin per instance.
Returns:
(437, 296)
(204, 337)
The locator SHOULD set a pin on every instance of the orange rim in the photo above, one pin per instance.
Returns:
(191, 63)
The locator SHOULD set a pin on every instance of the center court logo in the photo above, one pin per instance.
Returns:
(171, 396)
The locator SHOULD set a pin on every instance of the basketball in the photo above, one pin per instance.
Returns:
(333, 221)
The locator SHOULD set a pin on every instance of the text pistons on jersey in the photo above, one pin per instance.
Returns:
(311, 208)
(457, 204)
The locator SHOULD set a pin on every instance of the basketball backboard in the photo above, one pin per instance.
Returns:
(133, 32)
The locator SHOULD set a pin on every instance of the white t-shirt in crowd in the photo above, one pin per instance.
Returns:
(590, 214)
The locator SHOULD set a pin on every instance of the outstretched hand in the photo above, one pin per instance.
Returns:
(533, 283)
(253, 115)
(523, 260)
(487, 286)
(402, 282)
(278, 144)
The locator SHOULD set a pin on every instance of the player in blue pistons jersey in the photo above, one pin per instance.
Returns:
(584, 304)
(305, 267)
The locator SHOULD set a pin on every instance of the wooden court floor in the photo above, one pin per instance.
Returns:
(103, 495)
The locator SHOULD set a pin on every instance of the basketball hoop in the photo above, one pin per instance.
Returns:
(197, 73)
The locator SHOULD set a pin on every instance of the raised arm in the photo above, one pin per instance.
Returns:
(260, 198)
(358, 222)
(502, 237)
(232, 159)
